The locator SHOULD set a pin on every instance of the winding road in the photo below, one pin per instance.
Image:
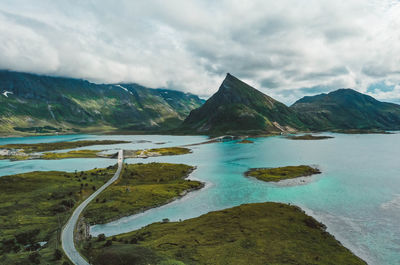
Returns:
(67, 236)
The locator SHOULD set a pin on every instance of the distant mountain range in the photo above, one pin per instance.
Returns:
(238, 108)
(346, 109)
(32, 103)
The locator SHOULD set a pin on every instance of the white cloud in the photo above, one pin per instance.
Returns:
(286, 48)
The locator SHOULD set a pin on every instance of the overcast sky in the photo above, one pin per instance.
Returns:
(286, 49)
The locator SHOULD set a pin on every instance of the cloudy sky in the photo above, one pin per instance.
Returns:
(286, 49)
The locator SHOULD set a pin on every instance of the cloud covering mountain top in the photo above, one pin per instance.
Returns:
(286, 48)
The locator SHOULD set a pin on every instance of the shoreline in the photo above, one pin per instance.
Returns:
(341, 239)
(139, 214)
(351, 131)
(299, 181)
(336, 236)
(283, 177)
(183, 194)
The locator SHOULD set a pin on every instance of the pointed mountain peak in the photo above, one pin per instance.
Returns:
(238, 106)
(233, 85)
(231, 78)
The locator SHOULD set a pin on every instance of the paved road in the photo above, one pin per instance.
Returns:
(67, 236)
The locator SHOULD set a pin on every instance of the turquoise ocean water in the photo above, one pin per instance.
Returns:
(357, 196)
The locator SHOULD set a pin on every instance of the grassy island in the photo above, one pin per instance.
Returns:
(43, 147)
(33, 208)
(20, 154)
(140, 187)
(71, 154)
(127, 153)
(166, 151)
(262, 233)
(281, 173)
(309, 137)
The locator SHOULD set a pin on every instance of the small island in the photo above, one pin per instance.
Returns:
(33, 151)
(281, 173)
(73, 154)
(166, 151)
(308, 137)
(21, 154)
(42, 147)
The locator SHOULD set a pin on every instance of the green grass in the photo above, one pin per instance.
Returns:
(42, 147)
(165, 151)
(308, 137)
(262, 233)
(71, 154)
(140, 187)
(34, 206)
(281, 173)
(14, 157)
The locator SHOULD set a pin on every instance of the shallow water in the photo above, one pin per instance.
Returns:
(357, 196)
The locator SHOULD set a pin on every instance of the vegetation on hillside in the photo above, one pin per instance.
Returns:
(47, 105)
(140, 187)
(238, 108)
(347, 109)
(263, 233)
(281, 173)
(34, 207)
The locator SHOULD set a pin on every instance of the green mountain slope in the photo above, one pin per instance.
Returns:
(347, 109)
(46, 104)
(239, 108)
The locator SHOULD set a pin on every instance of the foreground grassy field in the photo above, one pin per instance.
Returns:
(140, 187)
(263, 233)
(33, 208)
(281, 173)
(42, 147)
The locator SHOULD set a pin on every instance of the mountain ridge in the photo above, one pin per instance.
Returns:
(70, 105)
(32, 103)
(237, 108)
(347, 109)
